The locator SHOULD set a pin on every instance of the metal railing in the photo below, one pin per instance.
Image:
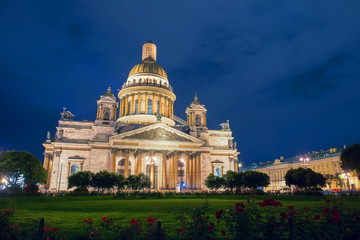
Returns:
(165, 86)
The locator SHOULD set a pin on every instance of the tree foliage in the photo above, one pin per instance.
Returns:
(80, 179)
(350, 159)
(304, 178)
(139, 182)
(214, 182)
(17, 164)
(253, 179)
(104, 180)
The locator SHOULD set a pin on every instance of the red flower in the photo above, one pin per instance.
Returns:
(132, 222)
(218, 214)
(341, 204)
(150, 219)
(46, 229)
(239, 210)
(90, 220)
(326, 211)
(84, 221)
(223, 232)
(54, 229)
(104, 219)
(111, 219)
(291, 208)
(283, 215)
(240, 204)
(252, 196)
(335, 216)
(181, 230)
(210, 228)
(317, 217)
(328, 201)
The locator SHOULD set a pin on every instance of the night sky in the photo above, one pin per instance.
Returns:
(285, 73)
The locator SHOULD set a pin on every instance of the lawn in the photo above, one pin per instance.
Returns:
(67, 213)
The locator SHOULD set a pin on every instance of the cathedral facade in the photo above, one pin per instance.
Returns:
(140, 134)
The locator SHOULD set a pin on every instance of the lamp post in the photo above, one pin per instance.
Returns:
(239, 167)
(305, 161)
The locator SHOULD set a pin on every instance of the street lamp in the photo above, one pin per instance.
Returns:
(305, 161)
(239, 167)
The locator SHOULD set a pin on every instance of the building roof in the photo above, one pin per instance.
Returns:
(148, 65)
(314, 156)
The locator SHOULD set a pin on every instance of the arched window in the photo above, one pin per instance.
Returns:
(218, 172)
(74, 169)
(149, 107)
(198, 120)
(121, 167)
(106, 113)
(136, 106)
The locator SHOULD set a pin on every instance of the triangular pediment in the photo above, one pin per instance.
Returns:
(157, 132)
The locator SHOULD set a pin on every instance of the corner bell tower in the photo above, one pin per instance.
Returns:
(106, 109)
(196, 117)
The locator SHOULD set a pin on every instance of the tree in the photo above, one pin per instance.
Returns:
(15, 165)
(314, 179)
(350, 159)
(253, 179)
(139, 182)
(213, 182)
(104, 180)
(304, 178)
(80, 179)
(329, 178)
(121, 181)
(230, 180)
(339, 180)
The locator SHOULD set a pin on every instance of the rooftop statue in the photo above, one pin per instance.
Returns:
(225, 126)
(66, 115)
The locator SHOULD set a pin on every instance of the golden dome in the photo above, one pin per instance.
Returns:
(148, 66)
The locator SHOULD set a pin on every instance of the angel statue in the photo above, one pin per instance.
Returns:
(225, 126)
(66, 115)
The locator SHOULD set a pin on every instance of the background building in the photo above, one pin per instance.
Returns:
(140, 134)
(324, 162)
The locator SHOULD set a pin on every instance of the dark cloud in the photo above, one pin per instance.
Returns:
(264, 65)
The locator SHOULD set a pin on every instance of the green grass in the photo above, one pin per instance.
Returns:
(67, 213)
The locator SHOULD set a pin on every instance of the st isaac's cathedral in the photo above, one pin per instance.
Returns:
(140, 134)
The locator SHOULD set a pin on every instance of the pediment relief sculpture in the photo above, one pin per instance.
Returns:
(158, 134)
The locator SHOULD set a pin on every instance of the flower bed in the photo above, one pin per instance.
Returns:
(250, 219)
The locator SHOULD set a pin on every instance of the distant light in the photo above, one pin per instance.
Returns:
(154, 158)
(181, 160)
(4, 180)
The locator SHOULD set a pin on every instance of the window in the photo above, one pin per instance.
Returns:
(198, 120)
(149, 107)
(74, 169)
(136, 106)
(217, 172)
(106, 113)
